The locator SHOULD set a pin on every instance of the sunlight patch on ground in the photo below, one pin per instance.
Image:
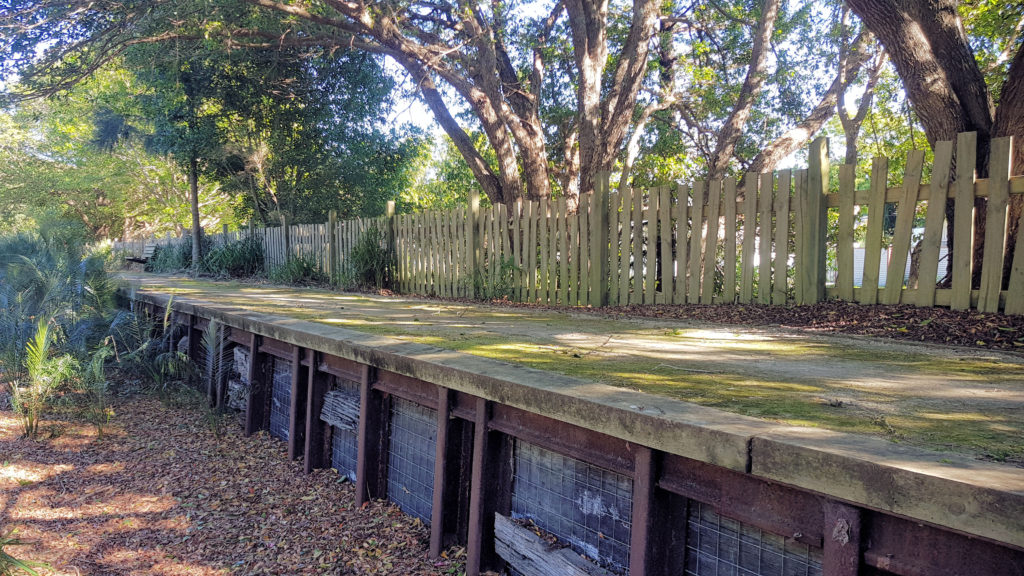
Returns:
(24, 473)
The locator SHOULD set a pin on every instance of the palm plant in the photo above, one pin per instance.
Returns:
(94, 381)
(9, 565)
(43, 375)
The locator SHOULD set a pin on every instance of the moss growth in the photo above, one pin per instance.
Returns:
(844, 385)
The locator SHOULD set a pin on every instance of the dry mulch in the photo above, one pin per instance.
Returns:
(161, 493)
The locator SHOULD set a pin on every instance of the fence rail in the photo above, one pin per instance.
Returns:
(767, 239)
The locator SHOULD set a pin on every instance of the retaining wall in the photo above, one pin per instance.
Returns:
(639, 484)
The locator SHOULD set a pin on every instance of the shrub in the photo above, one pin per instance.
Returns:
(242, 257)
(298, 270)
(177, 256)
(31, 395)
(371, 261)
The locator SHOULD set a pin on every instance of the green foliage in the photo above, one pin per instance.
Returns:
(146, 348)
(43, 375)
(243, 257)
(44, 278)
(504, 286)
(56, 167)
(298, 270)
(176, 256)
(371, 260)
(94, 384)
(11, 566)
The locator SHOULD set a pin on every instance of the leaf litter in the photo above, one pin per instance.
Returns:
(166, 493)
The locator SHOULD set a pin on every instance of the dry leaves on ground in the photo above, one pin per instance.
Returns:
(162, 494)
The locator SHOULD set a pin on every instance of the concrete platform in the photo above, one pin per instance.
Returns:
(906, 396)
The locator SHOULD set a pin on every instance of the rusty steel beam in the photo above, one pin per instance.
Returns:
(254, 404)
(371, 460)
(297, 406)
(444, 398)
(587, 445)
(772, 507)
(911, 548)
(407, 388)
(276, 348)
(340, 367)
(842, 551)
(315, 447)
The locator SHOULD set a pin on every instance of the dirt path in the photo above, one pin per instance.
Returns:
(161, 494)
(935, 396)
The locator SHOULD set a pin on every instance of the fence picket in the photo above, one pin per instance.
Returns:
(585, 269)
(963, 221)
(615, 253)
(844, 238)
(636, 243)
(749, 235)
(1001, 162)
(696, 238)
(799, 188)
(905, 212)
(665, 232)
(711, 244)
(682, 232)
(764, 273)
(780, 287)
(650, 245)
(729, 273)
(542, 221)
(936, 212)
(873, 240)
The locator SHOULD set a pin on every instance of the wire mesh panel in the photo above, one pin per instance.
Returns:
(344, 448)
(280, 398)
(411, 458)
(717, 545)
(587, 506)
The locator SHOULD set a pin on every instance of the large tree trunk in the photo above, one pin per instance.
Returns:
(928, 45)
(603, 119)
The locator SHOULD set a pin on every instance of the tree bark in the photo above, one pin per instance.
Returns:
(603, 123)
(732, 129)
(928, 45)
(197, 230)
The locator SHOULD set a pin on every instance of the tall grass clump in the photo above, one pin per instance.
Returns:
(177, 256)
(371, 261)
(298, 270)
(243, 257)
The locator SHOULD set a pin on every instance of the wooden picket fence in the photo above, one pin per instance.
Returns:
(760, 240)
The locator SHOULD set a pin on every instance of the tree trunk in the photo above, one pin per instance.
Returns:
(197, 231)
(733, 126)
(928, 46)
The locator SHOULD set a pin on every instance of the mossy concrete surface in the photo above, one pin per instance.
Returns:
(943, 398)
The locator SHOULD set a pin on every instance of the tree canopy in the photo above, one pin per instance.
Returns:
(538, 96)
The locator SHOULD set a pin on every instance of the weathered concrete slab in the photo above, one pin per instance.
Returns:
(696, 432)
(977, 498)
(937, 397)
(966, 495)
